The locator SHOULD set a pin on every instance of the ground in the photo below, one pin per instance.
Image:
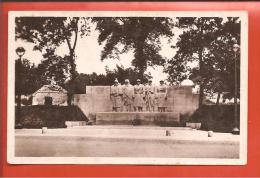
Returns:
(125, 141)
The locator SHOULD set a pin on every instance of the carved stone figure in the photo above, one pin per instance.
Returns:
(116, 96)
(150, 96)
(162, 96)
(138, 96)
(128, 94)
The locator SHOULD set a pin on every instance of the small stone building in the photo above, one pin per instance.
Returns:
(51, 94)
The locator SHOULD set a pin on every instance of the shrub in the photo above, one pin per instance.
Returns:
(216, 118)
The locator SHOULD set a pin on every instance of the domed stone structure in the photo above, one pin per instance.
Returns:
(187, 82)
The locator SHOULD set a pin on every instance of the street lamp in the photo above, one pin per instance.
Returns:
(20, 52)
(235, 130)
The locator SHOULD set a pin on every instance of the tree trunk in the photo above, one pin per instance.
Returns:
(201, 64)
(73, 78)
(218, 98)
(18, 114)
(141, 73)
(201, 97)
(72, 64)
(141, 62)
(19, 88)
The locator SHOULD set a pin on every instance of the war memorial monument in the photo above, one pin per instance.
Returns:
(118, 105)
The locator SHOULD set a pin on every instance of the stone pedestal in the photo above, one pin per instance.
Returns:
(138, 118)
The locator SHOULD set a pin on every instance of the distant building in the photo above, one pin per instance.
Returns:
(51, 94)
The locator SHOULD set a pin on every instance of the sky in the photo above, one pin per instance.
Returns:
(88, 53)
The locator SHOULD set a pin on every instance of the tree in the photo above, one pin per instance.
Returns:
(223, 51)
(94, 79)
(48, 33)
(30, 78)
(207, 42)
(82, 80)
(140, 34)
(122, 73)
(194, 46)
(25, 83)
(54, 67)
(25, 77)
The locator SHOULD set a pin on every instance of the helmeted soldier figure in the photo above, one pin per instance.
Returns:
(138, 96)
(150, 95)
(162, 96)
(128, 93)
(116, 96)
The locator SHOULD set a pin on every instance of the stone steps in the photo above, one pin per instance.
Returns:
(138, 118)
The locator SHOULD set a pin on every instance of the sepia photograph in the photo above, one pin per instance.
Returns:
(127, 87)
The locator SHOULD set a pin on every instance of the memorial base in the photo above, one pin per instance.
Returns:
(137, 118)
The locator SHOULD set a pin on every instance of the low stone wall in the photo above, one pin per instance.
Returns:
(97, 99)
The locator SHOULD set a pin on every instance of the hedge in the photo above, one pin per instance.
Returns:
(216, 118)
(49, 116)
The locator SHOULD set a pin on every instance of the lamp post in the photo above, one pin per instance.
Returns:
(235, 130)
(20, 52)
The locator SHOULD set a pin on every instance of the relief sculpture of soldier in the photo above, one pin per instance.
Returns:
(128, 94)
(116, 96)
(138, 96)
(162, 96)
(150, 96)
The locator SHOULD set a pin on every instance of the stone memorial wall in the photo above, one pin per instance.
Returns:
(180, 100)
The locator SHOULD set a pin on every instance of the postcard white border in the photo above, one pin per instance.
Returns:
(12, 159)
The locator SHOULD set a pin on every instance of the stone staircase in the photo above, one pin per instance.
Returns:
(137, 118)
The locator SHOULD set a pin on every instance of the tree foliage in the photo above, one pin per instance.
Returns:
(94, 79)
(26, 78)
(225, 56)
(206, 42)
(29, 78)
(142, 35)
(48, 33)
(122, 73)
(54, 67)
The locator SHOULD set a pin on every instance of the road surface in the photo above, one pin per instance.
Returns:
(91, 146)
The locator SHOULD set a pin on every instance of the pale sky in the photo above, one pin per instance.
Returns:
(88, 53)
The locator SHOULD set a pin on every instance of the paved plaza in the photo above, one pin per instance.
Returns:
(125, 141)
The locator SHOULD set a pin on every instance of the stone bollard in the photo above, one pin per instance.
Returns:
(210, 133)
(168, 133)
(44, 130)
